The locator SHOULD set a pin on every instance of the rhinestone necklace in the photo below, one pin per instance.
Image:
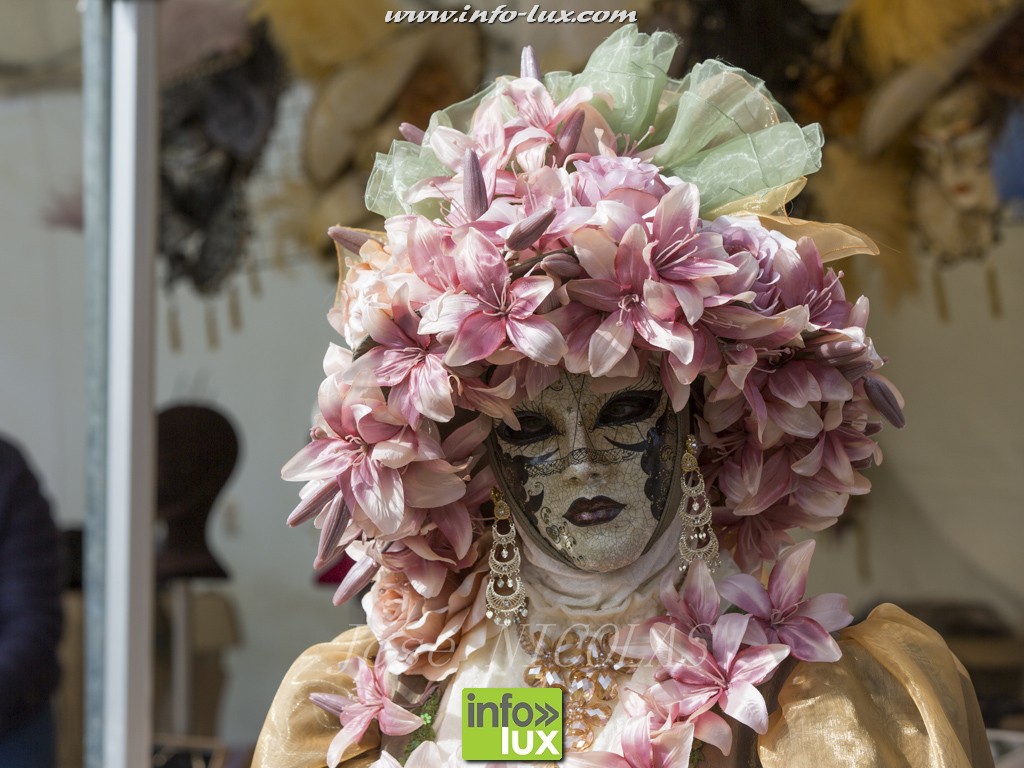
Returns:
(587, 672)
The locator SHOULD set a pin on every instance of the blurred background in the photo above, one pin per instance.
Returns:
(271, 112)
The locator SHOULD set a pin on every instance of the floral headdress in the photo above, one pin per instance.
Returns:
(602, 223)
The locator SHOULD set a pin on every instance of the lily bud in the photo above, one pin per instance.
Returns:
(313, 503)
(330, 702)
(884, 399)
(411, 133)
(527, 231)
(474, 190)
(854, 372)
(335, 523)
(349, 239)
(840, 352)
(569, 138)
(528, 66)
(358, 576)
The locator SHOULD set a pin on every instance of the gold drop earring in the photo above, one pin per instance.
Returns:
(506, 593)
(697, 541)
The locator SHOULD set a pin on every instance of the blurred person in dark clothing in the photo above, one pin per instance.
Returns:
(30, 616)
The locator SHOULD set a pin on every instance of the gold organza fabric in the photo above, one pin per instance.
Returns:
(297, 733)
(898, 698)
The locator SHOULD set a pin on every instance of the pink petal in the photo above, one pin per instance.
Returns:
(453, 521)
(713, 729)
(537, 338)
(672, 746)
(676, 650)
(609, 344)
(481, 269)
(799, 422)
(616, 218)
(317, 460)
(396, 721)
(431, 390)
(528, 293)
(746, 592)
(467, 438)
(345, 738)
(794, 384)
(676, 215)
(788, 580)
(427, 254)
(383, 329)
(727, 636)
(596, 254)
(830, 610)
(744, 703)
(754, 665)
(426, 488)
(636, 743)
(426, 755)
(700, 595)
(810, 464)
(478, 336)
(380, 495)
(599, 294)
(808, 640)
(631, 268)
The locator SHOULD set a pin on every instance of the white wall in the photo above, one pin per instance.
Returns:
(264, 377)
(944, 520)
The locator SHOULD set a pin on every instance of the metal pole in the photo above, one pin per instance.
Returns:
(127, 620)
(96, 205)
(181, 656)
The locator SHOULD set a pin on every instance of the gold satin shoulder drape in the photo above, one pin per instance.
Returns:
(297, 733)
(897, 699)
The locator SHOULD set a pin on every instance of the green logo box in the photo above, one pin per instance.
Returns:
(512, 724)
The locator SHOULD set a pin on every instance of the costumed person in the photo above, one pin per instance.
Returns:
(30, 616)
(597, 377)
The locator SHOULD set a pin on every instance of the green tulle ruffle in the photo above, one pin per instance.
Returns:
(718, 128)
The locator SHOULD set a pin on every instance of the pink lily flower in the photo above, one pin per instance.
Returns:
(753, 539)
(378, 461)
(694, 609)
(538, 118)
(667, 747)
(782, 614)
(407, 362)
(496, 309)
(372, 702)
(684, 257)
(621, 284)
(692, 680)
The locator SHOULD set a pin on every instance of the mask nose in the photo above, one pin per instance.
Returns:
(582, 468)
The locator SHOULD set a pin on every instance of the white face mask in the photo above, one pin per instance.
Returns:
(591, 471)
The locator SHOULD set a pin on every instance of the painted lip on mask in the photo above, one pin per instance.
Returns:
(595, 511)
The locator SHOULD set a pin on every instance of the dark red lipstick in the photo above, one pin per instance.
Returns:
(600, 509)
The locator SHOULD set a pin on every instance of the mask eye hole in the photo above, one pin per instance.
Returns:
(627, 408)
(532, 427)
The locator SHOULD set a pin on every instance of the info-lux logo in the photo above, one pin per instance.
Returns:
(511, 723)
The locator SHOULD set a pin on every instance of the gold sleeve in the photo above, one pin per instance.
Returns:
(898, 698)
(297, 733)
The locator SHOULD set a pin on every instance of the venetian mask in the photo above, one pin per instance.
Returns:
(591, 471)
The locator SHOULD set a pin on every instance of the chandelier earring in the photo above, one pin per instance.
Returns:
(506, 593)
(697, 541)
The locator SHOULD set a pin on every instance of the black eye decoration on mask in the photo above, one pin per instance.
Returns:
(532, 427)
(627, 408)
